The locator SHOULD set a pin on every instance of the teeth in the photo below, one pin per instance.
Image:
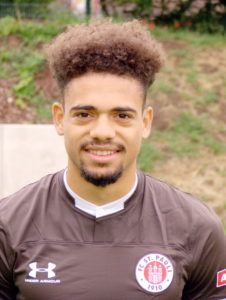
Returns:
(98, 152)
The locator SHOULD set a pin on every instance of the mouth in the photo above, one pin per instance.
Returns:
(101, 154)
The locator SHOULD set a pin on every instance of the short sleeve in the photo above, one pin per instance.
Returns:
(7, 289)
(208, 260)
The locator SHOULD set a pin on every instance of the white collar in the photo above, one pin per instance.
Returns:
(99, 210)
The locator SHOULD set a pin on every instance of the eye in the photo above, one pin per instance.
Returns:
(123, 116)
(82, 115)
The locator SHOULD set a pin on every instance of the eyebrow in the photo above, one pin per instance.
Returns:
(122, 109)
(91, 107)
(83, 107)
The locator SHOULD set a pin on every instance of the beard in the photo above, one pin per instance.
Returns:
(101, 180)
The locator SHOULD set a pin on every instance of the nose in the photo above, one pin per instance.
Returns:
(102, 129)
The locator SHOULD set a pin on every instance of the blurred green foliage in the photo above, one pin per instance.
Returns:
(25, 8)
(202, 15)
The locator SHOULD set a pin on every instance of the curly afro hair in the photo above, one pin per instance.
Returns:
(121, 49)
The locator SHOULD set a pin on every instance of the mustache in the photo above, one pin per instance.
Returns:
(116, 146)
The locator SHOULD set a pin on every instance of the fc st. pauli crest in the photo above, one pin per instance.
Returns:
(154, 272)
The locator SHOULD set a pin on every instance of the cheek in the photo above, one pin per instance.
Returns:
(74, 137)
(134, 141)
(70, 139)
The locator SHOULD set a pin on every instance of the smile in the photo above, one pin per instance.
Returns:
(102, 156)
(101, 152)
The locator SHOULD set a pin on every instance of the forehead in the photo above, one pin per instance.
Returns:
(105, 90)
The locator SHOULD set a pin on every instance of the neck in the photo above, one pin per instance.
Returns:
(101, 195)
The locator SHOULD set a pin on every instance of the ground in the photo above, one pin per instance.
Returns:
(204, 177)
(182, 80)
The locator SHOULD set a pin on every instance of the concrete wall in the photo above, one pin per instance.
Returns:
(28, 152)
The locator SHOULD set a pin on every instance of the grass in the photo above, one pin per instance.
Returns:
(25, 61)
(148, 155)
(181, 52)
(206, 97)
(26, 65)
(188, 136)
(162, 87)
(187, 62)
(193, 39)
(31, 33)
(192, 76)
(8, 26)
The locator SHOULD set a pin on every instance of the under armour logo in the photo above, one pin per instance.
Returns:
(35, 270)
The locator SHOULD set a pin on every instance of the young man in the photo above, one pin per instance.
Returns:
(101, 229)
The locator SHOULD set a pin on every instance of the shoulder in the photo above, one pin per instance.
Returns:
(184, 214)
(24, 193)
(19, 205)
(170, 197)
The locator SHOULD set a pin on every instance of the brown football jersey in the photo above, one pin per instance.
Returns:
(165, 244)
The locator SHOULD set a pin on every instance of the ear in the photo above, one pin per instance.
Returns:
(58, 115)
(147, 121)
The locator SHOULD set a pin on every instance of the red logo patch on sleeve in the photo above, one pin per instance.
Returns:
(221, 278)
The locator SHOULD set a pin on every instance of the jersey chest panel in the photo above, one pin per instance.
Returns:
(84, 271)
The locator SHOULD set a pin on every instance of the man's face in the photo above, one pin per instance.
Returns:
(103, 123)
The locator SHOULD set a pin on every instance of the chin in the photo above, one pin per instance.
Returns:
(101, 179)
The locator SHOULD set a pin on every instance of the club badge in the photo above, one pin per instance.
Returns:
(221, 278)
(154, 272)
